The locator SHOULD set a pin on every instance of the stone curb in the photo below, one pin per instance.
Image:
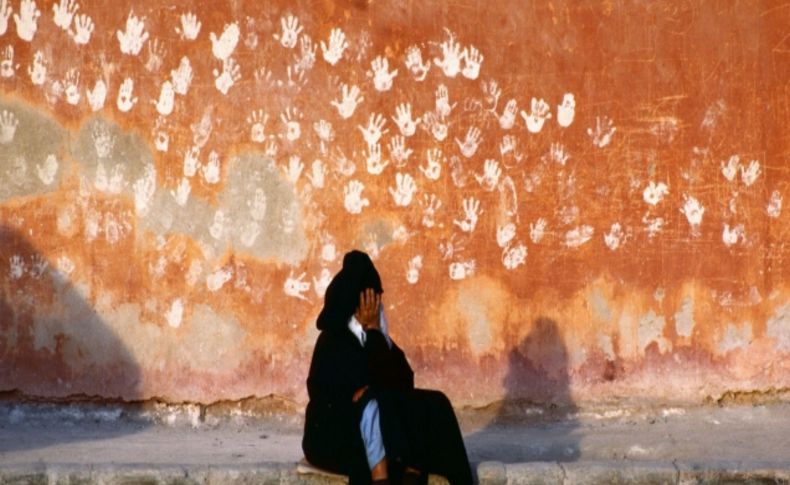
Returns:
(491, 472)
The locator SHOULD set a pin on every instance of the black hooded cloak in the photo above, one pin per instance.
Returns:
(418, 426)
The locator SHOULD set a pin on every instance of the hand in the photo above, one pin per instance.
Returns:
(368, 310)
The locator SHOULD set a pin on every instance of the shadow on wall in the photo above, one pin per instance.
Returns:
(537, 418)
(54, 345)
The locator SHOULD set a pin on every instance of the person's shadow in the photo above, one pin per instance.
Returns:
(537, 417)
(61, 366)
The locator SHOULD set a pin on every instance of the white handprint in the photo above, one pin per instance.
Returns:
(271, 148)
(306, 58)
(295, 287)
(161, 136)
(72, 83)
(372, 133)
(98, 95)
(64, 12)
(415, 65)
(375, 164)
(491, 94)
(654, 193)
(166, 102)
(126, 99)
(257, 121)
(249, 233)
(103, 140)
(216, 280)
(730, 169)
(156, 55)
(294, 169)
(382, 76)
(774, 207)
(614, 237)
(566, 111)
(218, 227)
(413, 270)
(507, 145)
(404, 190)
(558, 154)
(504, 234)
(211, 170)
(325, 133)
(5, 14)
(537, 230)
(462, 269)
(291, 30)
(508, 118)
(730, 236)
(38, 69)
(182, 77)
(471, 142)
(343, 165)
(26, 20)
(144, 189)
(47, 173)
(132, 39)
(290, 118)
(398, 151)
(230, 74)
(16, 267)
(181, 194)
(459, 175)
(352, 197)
(224, 46)
(471, 212)
(443, 107)
(434, 167)
(191, 161)
(603, 132)
(539, 113)
(337, 44)
(450, 63)
(83, 29)
(7, 67)
(190, 26)
(514, 256)
(578, 236)
(348, 101)
(318, 174)
(472, 60)
(490, 177)
(430, 204)
(749, 174)
(403, 119)
(8, 125)
(693, 211)
(322, 283)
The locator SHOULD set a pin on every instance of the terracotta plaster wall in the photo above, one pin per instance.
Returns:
(568, 201)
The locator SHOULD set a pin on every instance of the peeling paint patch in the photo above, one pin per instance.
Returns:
(736, 336)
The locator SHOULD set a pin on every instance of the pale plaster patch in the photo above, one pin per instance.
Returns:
(651, 329)
(684, 318)
(778, 327)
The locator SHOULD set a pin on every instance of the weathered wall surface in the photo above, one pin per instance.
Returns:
(567, 200)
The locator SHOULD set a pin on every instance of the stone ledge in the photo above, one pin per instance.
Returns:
(491, 472)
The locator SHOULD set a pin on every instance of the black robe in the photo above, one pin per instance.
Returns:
(418, 427)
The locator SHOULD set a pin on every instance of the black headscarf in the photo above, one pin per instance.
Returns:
(342, 295)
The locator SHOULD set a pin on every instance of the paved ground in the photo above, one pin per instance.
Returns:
(528, 442)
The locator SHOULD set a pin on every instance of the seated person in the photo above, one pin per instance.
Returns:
(365, 419)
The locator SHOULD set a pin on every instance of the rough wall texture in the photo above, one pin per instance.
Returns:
(567, 200)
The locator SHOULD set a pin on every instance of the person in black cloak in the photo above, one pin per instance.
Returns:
(365, 419)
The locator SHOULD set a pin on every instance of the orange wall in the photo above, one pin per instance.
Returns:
(588, 208)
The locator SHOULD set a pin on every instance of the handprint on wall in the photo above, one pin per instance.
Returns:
(131, 40)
